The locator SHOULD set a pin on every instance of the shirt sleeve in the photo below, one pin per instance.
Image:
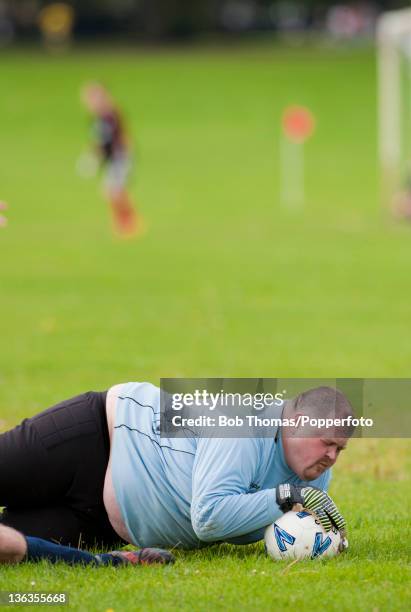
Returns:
(223, 505)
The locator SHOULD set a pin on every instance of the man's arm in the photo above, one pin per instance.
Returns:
(222, 506)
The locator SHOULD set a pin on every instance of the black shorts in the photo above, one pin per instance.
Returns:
(52, 470)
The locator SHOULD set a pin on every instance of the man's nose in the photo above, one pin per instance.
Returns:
(332, 454)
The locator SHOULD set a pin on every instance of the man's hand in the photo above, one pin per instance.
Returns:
(313, 499)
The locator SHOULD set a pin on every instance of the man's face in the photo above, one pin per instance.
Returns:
(95, 99)
(310, 457)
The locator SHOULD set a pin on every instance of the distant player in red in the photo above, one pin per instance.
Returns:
(401, 201)
(112, 149)
(3, 219)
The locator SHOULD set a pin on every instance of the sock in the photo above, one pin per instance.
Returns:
(38, 549)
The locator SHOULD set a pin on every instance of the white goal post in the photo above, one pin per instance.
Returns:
(394, 99)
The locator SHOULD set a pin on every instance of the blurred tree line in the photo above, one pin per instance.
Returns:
(159, 19)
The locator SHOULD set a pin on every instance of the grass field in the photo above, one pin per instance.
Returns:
(225, 283)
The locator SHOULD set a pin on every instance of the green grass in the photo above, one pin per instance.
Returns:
(225, 283)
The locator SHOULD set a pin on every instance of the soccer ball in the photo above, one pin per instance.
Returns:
(299, 535)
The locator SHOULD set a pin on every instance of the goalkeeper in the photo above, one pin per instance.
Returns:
(95, 470)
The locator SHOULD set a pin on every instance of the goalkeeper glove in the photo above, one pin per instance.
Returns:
(313, 499)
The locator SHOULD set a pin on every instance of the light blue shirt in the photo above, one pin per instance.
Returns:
(190, 491)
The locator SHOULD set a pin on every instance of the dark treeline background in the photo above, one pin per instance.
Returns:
(162, 19)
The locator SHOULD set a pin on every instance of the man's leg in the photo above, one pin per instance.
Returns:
(52, 470)
(15, 548)
(125, 217)
(57, 523)
(13, 545)
(38, 458)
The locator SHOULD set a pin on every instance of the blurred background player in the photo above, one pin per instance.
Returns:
(111, 149)
(56, 21)
(401, 201)
(3, 219)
